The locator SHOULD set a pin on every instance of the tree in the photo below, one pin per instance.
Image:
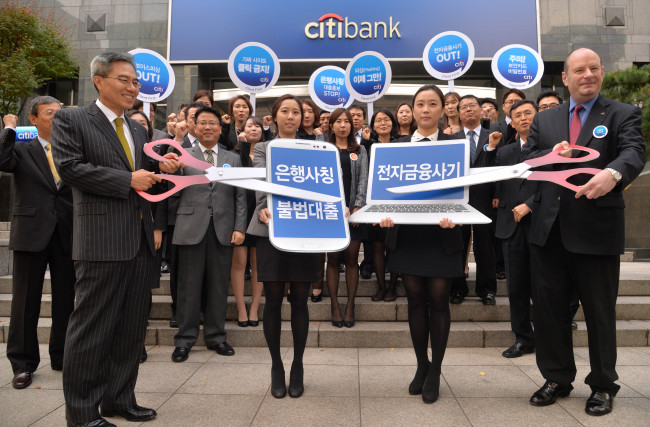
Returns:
(632, 86)
(33, 50)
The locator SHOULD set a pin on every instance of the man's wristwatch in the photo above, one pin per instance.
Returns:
(616, 175)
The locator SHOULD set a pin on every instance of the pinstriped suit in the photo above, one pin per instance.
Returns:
(113, 251)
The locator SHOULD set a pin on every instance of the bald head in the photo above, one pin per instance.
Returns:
(583, 75)
(579, 52)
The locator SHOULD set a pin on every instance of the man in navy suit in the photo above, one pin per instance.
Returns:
(577, 238)
(99, 153)
(41, 235)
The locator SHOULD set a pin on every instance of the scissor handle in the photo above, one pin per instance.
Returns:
(179, 181)
(184, 157)
(553, 157)
(560, 177)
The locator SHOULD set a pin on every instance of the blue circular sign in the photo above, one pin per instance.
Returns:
(448, 55)
(253, 67)
(327, 88)
(155, 75)
(517, 66)
(368, 76)
(600, 131)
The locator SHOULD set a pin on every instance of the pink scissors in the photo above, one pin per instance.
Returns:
(520, 170)
(249, 178)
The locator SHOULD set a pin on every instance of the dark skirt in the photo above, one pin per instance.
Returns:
(419, 252)
(250, 240)
(274, 265)
(376, 233)
(359, 232)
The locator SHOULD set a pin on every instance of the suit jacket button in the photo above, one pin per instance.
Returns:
(558, 197)
(54, 212)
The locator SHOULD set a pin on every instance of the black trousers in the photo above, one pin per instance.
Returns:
(28, 273)
(106, 334)
(517, 267)
(557, 274)
(486, 281)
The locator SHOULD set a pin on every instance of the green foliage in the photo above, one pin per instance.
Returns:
(632, 86)
(33, 50)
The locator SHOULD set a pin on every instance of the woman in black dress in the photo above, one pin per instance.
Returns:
(239, 107)
(275, 267)
(428, 256)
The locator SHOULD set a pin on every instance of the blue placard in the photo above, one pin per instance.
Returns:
(517, 66)
(327, 88)
(155, 75)
(368, 76)
(308, 170)
(448, 55)
(26, 133)
(253, 67)
(398, 165)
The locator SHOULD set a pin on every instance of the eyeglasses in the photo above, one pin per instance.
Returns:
(543, 107)
(382, 121)
(527, 114)
(136, 84)
(511, 101)
(466, 106)
(208, 124)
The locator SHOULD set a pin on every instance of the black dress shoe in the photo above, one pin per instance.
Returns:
(223, 348)
(337, 323)
(143, 356)
(180, 354)
(201, 318)
(316, 297)
(134, 413)
(253, 323)
(501, 275)
(164, 268)
(431, 389)
(457, 297)
(366, 270)
(349, 323)
(574, 325)
(173, 323)
(278, 384)
(599, 403)
(247, 274)
(242, 324)
(518, 349)
(489, 299)
(56, 366)
(99, 422)
(296, 387)
(548, 393)
(22, 380)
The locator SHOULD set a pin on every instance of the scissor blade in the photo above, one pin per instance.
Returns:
(219, 174)
(491, 175)
(281, 190)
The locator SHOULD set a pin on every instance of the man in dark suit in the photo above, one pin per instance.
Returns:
(98, 153)
(504, 126)
(514, 199)
(41, 234)
(577, 238)
(210, 219)
(480, 197)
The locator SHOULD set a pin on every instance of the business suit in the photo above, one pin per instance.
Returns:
(512, 193)
(480, 197)
(113, 250)
(576, 243)
(207, 216)
(41, 234)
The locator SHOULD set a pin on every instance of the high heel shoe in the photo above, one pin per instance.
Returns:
(278, 384)
(336, 323)
(431, 388)
(379, 296)
(296, 386)
(349, 323)
(416, 385)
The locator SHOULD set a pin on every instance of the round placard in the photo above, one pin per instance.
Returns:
(448, 55)
(517, 66)
(327, 88)
(368, 76)
(155, 75)
(253, 67)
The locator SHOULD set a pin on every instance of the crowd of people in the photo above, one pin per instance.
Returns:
(76, 210)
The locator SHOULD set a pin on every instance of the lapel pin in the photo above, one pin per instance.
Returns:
(600, 131)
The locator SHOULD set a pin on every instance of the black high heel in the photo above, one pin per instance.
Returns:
(416, 385)
(431, 389)
(296, 386)
(278, 384)
(349, 323)
(336, 323)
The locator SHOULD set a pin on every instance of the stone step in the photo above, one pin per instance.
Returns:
(629, 333)
(5, 226)
(4, 235)
(471, 310)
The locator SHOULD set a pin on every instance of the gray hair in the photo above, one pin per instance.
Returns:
(41, 100)
(101, 65)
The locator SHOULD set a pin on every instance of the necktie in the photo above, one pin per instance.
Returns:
(576, 125)
(472, 145)
(125, 145)
(50, 160)
(209, 157)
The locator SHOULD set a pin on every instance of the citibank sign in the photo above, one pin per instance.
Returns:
(333, 26)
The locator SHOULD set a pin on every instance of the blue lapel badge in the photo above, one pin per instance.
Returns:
(600, 131)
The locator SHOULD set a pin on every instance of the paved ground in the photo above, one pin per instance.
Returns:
(345, 387)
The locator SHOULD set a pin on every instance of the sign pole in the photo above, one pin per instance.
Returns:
(146, 109)
(370, 111)
(450, 85)
(253, 99)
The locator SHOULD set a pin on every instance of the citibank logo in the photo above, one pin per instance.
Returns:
(332, 26)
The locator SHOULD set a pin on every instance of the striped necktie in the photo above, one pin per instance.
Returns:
(125, 145)
(208, 157)
(472, 146)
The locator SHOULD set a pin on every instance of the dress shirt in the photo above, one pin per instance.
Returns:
(417, 136)
(111, 116)
(586, 108)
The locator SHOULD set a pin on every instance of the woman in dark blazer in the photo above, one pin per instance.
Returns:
(428, 257)
(239, 107)
(275, 267)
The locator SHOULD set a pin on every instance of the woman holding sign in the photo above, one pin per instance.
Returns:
(275, 267)
(354, 171)
(428, 256)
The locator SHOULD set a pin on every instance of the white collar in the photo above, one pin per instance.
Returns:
(417, 136)
(110, 114)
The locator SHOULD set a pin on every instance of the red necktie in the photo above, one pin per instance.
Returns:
(576, 125)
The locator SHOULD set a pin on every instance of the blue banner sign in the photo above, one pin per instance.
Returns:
(339, 29)
(253, 67)
(26, 133)
(327, 88)
(368, 76)
(517, 66)
(308, 170)
(155, 75)
(448, 55)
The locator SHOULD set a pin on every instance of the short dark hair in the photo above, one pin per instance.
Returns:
(353, 147)
(133, 112)
(489, 101)
(358, 107)
(549, 93)
(194, 105)
(395, 126)
(323, 112)
(200, 94)
(467, 97)
(206, 109)
(183, 106)
(313, 106)
(231, 103)
(41, 100)
(276, 106)
(137, 104)
(510, 92)
(521, 102)
(102, 64)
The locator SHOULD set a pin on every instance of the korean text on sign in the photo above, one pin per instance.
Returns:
(421, 172)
